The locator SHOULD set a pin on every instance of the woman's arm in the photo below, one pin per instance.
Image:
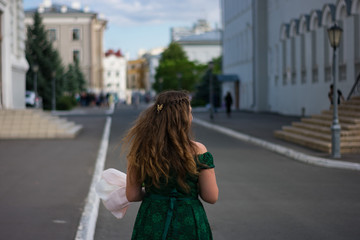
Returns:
(209, 190)
(134, 191)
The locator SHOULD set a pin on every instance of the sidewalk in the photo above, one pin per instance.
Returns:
(262, 126)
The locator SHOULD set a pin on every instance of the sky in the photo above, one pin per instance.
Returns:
(144, 24)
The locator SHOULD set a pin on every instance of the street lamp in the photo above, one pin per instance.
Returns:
(211, 66)
(53, 100)
(35, 69)
(334, 33)
(179, 76)
(161, 80)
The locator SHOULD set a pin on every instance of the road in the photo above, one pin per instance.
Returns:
(43, 186)
(262, 195)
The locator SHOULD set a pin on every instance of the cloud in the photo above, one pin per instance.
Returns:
(136, 12)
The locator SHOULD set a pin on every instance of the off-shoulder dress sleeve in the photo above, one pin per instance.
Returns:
(205, 161)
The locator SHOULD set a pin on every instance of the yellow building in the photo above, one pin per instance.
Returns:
(137, 75)
(77, 34)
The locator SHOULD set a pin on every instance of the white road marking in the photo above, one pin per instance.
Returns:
(87, 224)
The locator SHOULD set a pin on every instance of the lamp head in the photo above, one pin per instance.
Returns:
(334, 33)
(35, 67)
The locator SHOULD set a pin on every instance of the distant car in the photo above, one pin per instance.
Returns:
(30, 99)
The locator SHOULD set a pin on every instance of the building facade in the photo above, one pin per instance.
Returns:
(201, 26)
(115, 69)
(202, 47)
(13, 65)
(137, 78)
(152, 58)
(281, 53)
(77, 34)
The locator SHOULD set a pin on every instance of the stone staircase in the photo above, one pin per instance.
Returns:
(315, 132)
(35, 124)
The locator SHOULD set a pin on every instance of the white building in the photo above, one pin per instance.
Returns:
(202, 47)
(152, 57)
(199, 27)
(115, 67)
(13, 65)
(280, 51)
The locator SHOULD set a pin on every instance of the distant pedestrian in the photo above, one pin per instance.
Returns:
(174, 170)
(228, 103)
(340, 96)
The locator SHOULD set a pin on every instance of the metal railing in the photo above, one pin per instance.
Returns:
(355, 90)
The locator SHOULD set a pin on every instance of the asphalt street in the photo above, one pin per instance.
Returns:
(263, 195)
(44, 183)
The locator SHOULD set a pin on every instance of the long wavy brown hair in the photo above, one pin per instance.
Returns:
(160, 143)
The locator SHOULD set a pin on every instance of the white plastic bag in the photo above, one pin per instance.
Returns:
(112, 191)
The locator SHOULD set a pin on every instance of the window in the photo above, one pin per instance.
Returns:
(76, 55)
(76, 34)
(117, 73)
(109, 73)
(52, 35)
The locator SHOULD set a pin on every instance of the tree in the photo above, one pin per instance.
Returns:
(39, 51)
(202, 94)
(74, 81)
(175, 71)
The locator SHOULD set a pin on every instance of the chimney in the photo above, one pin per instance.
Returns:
(41, 8)
(76, 5)
(47, 3)
(86, 9)
(63, 9)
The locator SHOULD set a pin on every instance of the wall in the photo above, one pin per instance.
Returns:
(289, 91)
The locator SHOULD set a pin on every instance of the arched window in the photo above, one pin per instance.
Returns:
(355, 10)
(314, 23)
(293, 33)
(277, 63)
(284, 33)
(328, 17)
(341, 14)
(303, 28)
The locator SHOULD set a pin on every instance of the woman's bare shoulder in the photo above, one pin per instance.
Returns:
(200, 148)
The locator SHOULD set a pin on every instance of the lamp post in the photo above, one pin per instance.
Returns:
(35, 69)
(179, 76)
(211, 98)
(53, 100)
(334, 33)
(161, 80)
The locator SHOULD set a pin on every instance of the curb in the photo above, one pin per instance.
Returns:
(324, 162)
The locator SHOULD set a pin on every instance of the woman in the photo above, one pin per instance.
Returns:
(173, 169)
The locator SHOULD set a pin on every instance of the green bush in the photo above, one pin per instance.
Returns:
(198, 103)
(66, 103)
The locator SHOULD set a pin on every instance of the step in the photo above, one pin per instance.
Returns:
(355, 108)
(324, 146)
(309, 142)
(328, 123)
(342, 119)
(321, 129)
(343, 113)
(320, 136)
(35, 124)
(307, 133)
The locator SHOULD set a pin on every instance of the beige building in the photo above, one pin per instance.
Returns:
(77, 34)
(13, 65)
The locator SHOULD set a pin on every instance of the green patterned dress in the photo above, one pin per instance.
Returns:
(167, 213)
